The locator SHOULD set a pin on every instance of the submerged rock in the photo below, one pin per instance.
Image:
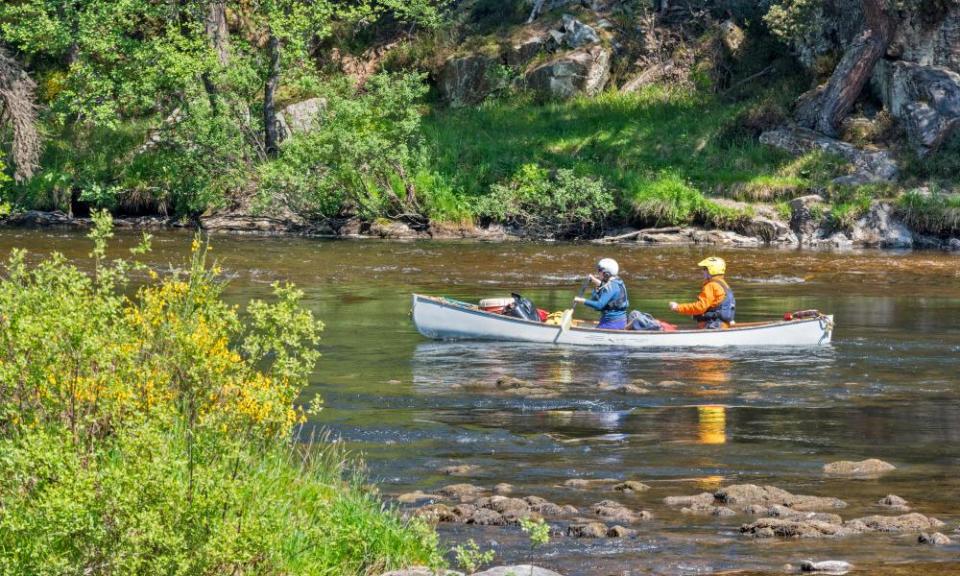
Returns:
(460, 470)
(789, 528)
(864, 468)
(912, 522)
(745, 495)
(702, 499)
(615, 512)
(503, 489)
(589, 484)
(518, 570)
(416, 496)
(631, 486)
(894, 502)
(828, 566)
(935, 539)
(462, 492)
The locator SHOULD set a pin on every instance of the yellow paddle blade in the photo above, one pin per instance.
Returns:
(566, 320)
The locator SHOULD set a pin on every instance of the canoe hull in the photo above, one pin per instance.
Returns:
(443, 319)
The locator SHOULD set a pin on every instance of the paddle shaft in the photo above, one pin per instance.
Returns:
(580, 295)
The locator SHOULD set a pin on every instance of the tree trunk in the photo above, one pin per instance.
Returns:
(826, 110)
(18, 108)
(216, 28)
(271, 135)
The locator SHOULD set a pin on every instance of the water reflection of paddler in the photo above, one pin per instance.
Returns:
(710, 372)
(716, 306)
(712, 424)
(609, 297)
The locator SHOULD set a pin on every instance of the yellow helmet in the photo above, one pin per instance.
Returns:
(715, 266)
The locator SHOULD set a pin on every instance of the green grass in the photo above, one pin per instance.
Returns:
(620, 138)
(931, 213)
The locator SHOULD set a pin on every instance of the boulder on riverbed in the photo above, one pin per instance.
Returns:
(869, 468)
(615, 512)
(702, 499)
(826, 566)
(894, 502)
(912, 522)
(790, 528)
(631, 487)
(460, 470)
(587, 530)
(746, 494)
(462, 492)
(935, 539)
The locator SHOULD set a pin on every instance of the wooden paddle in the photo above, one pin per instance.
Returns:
(567, 319)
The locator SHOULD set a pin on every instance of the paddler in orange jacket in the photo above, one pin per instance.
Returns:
(716, 306)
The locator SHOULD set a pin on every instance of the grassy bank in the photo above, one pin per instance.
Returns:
(154, 433)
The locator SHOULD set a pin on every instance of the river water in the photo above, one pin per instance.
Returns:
(887, 388)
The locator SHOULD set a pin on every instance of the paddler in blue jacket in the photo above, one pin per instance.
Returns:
(609, 297)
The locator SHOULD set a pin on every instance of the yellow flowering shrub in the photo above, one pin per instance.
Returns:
(74, 349)
(148, 431)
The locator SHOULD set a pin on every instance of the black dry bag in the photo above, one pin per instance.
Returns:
(521, 308)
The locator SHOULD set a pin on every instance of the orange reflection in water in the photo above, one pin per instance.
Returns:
(712, 424)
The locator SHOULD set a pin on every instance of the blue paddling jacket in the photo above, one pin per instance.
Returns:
(610, 299)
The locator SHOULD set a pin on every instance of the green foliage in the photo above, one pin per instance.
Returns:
(538, 530)
(561, 204)
(931, 212)
(365, 151)
(149, 432)
(470, 558)
(792, 19)
(942, 166)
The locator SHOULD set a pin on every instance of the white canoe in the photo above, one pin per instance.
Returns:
(446, 319)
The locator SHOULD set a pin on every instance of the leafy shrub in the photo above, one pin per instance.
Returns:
(559, 204)
(931, 212)
(365, 152)
(150, 432)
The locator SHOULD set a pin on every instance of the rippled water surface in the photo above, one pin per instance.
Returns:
(887, 388)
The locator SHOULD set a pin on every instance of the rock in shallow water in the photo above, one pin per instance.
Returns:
(894, 502)
(865, 468)
(826, 566)
(587, 530)
(935, 539)
(518, 570)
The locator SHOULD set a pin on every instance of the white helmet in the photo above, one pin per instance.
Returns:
(609, 265)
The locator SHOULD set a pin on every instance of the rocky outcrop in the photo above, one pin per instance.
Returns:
(926, 100)
(576, 34)
(869, 165)
(866, 468)
(300, 117)
(879, 227)
(584, 71)
(468, 80)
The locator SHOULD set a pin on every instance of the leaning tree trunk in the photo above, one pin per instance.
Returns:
(826, 110)
(18, 107)
(271, 134)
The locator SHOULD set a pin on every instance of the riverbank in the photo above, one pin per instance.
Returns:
(881, 226)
